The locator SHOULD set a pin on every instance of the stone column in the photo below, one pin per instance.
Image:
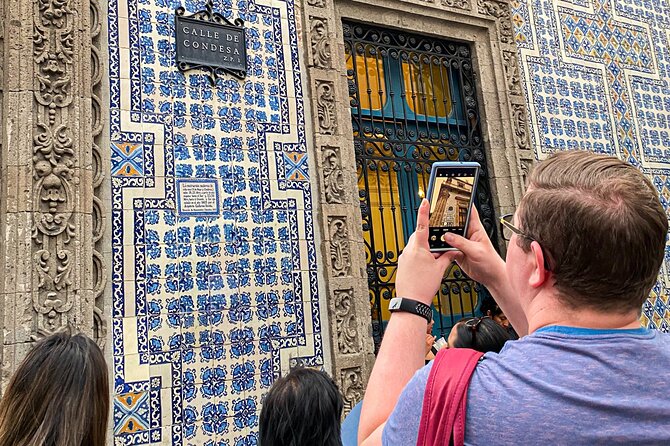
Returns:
(50, 219)
(342, 246)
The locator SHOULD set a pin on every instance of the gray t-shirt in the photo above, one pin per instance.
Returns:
(559, 385)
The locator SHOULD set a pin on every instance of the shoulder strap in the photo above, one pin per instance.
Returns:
(445, 397)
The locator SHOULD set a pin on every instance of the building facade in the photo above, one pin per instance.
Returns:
(212, 227)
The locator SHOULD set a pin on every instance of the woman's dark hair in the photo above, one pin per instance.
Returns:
(302, 409)
(480, 333)
(59, 395)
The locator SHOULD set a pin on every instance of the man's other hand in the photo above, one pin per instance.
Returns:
(420, 272)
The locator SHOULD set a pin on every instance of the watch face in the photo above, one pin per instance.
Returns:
(394, 304)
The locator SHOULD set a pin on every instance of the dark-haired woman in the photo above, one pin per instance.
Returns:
(58, 396)
(302, 409)
(478, 333)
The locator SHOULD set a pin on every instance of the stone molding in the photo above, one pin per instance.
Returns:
(51, 218)
(344, 279)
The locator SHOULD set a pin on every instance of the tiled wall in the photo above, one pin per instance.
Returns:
(208, 306)
(596, 75)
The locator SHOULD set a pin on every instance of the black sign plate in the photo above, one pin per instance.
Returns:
(207, 40)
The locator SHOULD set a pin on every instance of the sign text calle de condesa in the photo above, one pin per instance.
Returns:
(207, 40)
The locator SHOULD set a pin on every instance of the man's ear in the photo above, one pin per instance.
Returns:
(539, 275)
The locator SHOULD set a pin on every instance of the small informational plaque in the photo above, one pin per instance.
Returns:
(207, 40)
(197, 197)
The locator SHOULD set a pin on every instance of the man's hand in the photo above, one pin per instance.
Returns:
(476, 255)
(420, 272)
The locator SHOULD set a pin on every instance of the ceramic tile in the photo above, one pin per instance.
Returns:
(596, 76)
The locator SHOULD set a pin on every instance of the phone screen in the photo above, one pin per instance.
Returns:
(450, 200)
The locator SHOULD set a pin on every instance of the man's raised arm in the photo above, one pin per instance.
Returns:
(402, 352)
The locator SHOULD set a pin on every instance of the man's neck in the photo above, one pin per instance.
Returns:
(545, 310)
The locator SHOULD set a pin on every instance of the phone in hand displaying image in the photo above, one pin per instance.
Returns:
(451, 193)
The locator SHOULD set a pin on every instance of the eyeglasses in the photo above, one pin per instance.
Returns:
(507, 229)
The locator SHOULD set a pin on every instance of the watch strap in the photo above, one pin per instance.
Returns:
(411, 306)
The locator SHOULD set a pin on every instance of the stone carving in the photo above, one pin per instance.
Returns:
(98, 223)
(320, 42)
(53, 162)
(333, 176)
(317, 3)
(345, 318)
(352, 386)
(460, 4)
(325, 106)
(500, 10)
(520, 126)
(512, 72)
(340, 253)
(526, 164)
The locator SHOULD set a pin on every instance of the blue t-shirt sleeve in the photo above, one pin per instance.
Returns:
(402, 427)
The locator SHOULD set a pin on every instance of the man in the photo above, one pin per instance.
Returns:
(587, 243)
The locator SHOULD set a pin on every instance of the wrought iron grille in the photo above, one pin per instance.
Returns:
(413, 102)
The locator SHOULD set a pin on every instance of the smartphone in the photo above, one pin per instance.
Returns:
(451, 192)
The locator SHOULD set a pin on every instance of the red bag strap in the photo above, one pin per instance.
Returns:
(444, 401)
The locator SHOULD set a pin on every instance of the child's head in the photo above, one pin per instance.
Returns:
(302, 408)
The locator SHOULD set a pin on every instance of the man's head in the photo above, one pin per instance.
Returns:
(597, 224)
(302, 408)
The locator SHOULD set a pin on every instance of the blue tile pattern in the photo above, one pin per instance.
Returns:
(211, 306)
(596, 74)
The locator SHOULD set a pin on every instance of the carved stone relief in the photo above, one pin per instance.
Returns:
(333, 176)
(352, 387)
(325, 105)
(500, 10)
(317, 3)
(512, 72)
(54, 161)
(98, 211)
(520, 126)
(340, 253)
(345, 317)
(460, 4)
(320, 42)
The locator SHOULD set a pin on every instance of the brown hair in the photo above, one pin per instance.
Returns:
(602, 226)
(58, 396)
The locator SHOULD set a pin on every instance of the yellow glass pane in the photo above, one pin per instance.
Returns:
(427, 88)
(385, 218)
(461, 304)
(370, 78)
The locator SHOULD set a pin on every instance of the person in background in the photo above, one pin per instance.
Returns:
(303, 408)
(491, 309)
(58, 396)
(478, 333)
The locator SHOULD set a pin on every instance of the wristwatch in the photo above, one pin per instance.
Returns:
(411, 306)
